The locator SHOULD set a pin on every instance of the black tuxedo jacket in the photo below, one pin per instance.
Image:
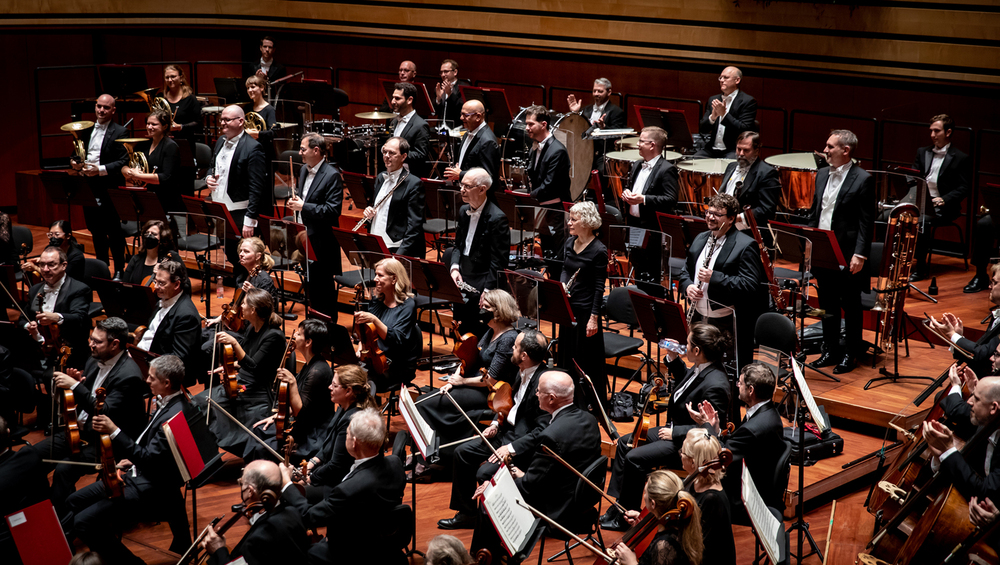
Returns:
(957, 413)
(968, 475)
(759, 440)
(74, 304)
(761, 190)
(740, 118)
(276, 71)
(335, 460)
(531, 420)
(853, 217)
(615, 116)
(125, 387)
(178, 334)
(451, 107)
(406, 215)
(547, 484)
(712, 385)
(954, 177)
(737, 277)
(550, 178)
(490, 246)
(113, 156)
(661, 193)
(321, 211)
(418, 134)
(151, 454)
(278, 536)
(484, 152)
(247, 173)
(981, 350)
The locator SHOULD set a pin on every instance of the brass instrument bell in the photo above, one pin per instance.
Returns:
(254, 122)
(79, 150)
(136, 159)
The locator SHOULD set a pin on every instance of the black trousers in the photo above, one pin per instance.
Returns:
(841, 290)
(106, 229)
(984, 238)
(471, 467)
(632, 465)
(65, 476)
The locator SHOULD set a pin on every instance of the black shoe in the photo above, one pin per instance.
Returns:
(611, 514)
(459, 522)
(846, 365)
(977, 284)
(827, 359)
(617, 524)
(919, 274)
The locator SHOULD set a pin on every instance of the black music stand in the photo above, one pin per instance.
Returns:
(133, 303)
(341, 347)
(324, 98)
(430, 278)
(360, 242)
(421, 102)
(495, 102)
(284, 247)
(551, 300)
(71, 189)
(141, 357)
(442, 205)
(121, 80)
(672, 121)
(231, 89)
(206, 217)
(658, 319)
(361, 188)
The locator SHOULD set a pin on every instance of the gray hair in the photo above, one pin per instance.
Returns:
(169, 368)
(479, 176)
(846, 138)
(315, 140)
(447, 550)
(605, 83)
(367, 428)
(588, 214)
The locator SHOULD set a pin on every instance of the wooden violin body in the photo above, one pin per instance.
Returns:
(466, 348)
(641, 534)
(501, 397)
(230, 381)
(641, 430)
(370, 351)
(109, 471)
(53, 341)
(232, 313)
(283, 404)
(69, 406)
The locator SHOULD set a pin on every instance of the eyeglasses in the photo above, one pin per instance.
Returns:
(646, 142)
(468, 186)
(711, 214)
(227, 120)
(469, 114)
(51, 265)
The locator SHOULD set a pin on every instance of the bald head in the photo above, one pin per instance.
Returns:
(231, 121)
(473, 113)
(729, 80)
(407, 71)
(555, 390)
(104, 108)
(262, 475)
(989, 389)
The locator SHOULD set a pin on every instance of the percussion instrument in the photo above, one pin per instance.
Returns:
(569, 129)
(797, 172)
(626, 143)
(211, 110)
(375, 115)
(79, 151)
(514, 149)
(700, 179)
(327, 128)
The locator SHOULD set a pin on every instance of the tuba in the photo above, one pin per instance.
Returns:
(136, 159)
(79, 150)
(894, 272)
(255, 122)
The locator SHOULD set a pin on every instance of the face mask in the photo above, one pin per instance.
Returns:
(150, 241)
(56, 241)
(485, 315)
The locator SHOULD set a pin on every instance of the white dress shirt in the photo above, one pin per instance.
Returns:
(223, 165)
(165, 305)
(161, 403)
(520, 392)
(467, 141)
(401, 123)
(720, 143)
(753, 409)
(704, 306)
(94, 149)
(310, 177)
(932, 175)
(266, 65)
(540, 146)
(381, 219)
(833, 186)
(641, 180)
(103, 369)
(698, 369)
(597, 112)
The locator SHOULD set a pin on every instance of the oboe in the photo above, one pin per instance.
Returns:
(712, 241)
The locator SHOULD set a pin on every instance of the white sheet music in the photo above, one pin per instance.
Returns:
(637, 237)
(422, 432)
(512, 521)
(768, 527)
(821, 423)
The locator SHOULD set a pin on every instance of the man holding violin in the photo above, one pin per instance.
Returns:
(175, 327)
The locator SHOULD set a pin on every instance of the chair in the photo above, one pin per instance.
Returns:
(203, 159)
(20, 235)
(619, 309)
(397, 529)
(785, 547)
(773, 494)
(399, 450)
(204, 477)
(588, 502)
(775, 331)
(94, 268)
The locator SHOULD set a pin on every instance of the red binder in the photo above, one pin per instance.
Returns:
(182, 445)
(39, 536)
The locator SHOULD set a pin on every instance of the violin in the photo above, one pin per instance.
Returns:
(69, 406)
(501, 397)
(232, 313)
(641, 430)
(109, 472)
(298, 473)
(466, 347)
(641, 534)
(366, 337)
(283, 404)
(239, 511)
(230, 382)
(50, 332)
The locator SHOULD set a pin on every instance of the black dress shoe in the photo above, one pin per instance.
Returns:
(611, 514)
(846, 365)
(827, 359)
(977, 284)
(459, 522)
(617, 524)
(918, 275)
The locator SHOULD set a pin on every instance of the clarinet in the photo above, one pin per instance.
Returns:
(711, 250)
(569, 284)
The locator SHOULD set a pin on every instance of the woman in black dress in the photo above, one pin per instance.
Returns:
(677, 542)
(157, 246)
(394, 313)
(584, 274)
(499, 311)
(256, 87)
(699, 448)
(186, 119)
(164, 162)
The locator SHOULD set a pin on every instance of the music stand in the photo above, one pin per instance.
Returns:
(429, 278)
(546, 299)
(495, 102)
(71, 189)
(324, 98)
(206, 218)
(421, 102)
(133, 303)
(142, 358)
(658, 319)
(341, 347)
(231, 89)
(285, 238)
(121, 80)
(672, 121)
(361, 187)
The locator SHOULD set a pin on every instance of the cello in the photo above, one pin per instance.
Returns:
(232, 313)
(109, 471)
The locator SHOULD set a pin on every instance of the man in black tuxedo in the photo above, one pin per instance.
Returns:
(447, 94)
(482, 245)
(479, 147)
(951, 325)
(110, 368)
(397, 211)
(728, 115)
(411, 127)
(752, 181)
(652, 188)
(65, 307)
(545, 483)
(176, 326)
(723, 278)
(845, 203)
(370, 490)
(602, 114)
(948, 174)
(266, 66)
(152, 479)
(237, 178)
(705, 380)
(103, 165)
(317, 202)
(277, 533)
(518, 437)
(548, 175)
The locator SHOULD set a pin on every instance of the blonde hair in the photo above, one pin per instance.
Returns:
(257, 246)
(185, 89)
(504, 308)
(260, 81)
(703, 447)
(394, 267)
(355, 378)
(664, 490)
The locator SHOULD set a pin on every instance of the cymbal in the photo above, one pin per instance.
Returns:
(77, 126)
(132, 139)
(375, 115)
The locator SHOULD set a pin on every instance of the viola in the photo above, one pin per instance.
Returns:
(501, 397)
(109, 471)
(69, 406)
(283, 405)
(53, 341)
(466, 347)
(230, 382)
(232, 313)
(641, 430)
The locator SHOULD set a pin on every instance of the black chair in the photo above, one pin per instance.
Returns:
(399, 450)
(942, 248)
(203, 159)
(773, 494)
(94, 268)
(619, 309)
(19, 235)
(775, 331)
(397, 529)
(586, 521)
(784, 545)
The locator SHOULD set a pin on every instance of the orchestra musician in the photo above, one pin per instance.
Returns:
(397, 212)
(587, 264)
(266, 67)
(18, 392)
(479, 147)
(652, 187)
(723, 273)
(65, 306)
(845, 203)
(276, 532)
(447, 94)
(411, 127)
(152, 479)
(350, 393)
(185, 122)
(164, 160)
(602, 114)
(948, 173)
(370, 490)
(256, 88)
(309, 403)
(407, 71)
(951, 326)
(157, 246)
(237, 176)
(752, 181)
(496, 346)
(699, 448)
(60, 235)
(482, 245)
(105, 158)
(544, 482)
(176, 325)
(728, 115)
(393, 310)
(110, 368)
(705, 380)
(447, 550)
(517, 436)
(676, 542)
(548, 173)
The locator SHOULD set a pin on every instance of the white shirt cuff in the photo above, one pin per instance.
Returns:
(955, 336)
(249, 222)
(947, 453)
(955, 389)
(73, 386)
(115, 433)
(103, 170)
(510, 449)
(454, 267)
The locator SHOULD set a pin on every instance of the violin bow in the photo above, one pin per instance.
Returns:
(16, 304)
(614, 502)
(247, 430)
(594, 550)
(211, 373)
(475, 427)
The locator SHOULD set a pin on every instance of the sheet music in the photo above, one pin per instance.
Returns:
(637, 237)
(820, 422)
(420, 430)
(512, 521)
(768, 527)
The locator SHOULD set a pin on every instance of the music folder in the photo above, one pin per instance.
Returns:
(183, 446)
(513, 522)
(422, 433)
(39, 536)
(768, 529)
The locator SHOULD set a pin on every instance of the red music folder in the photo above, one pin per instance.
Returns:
(182, 445)
(39, 536)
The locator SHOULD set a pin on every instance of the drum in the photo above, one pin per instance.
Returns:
(569, 129)
(211, 110)
(514, 149)
(328, 128)
(617, 165)
(797, 172)
(627, 143)
(700, 179)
